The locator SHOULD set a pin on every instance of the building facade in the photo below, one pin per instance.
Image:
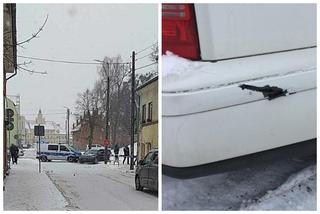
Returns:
(54, 133)
(12, 135)
(81, 130)
(148, 117)
(9, 66)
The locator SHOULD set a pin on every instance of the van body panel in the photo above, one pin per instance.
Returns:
(236, 30)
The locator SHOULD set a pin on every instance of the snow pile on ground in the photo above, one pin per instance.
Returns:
(297, 193)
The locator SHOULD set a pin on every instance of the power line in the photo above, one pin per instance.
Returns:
(66, 61)
(144, 56)
(146, 65)
(146, 48)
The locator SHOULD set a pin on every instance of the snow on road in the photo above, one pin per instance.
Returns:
(275, 181)
(78, 187)
(297, 193)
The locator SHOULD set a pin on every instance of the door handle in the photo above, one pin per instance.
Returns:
(270, 92)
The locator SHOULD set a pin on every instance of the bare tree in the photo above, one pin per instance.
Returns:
(119, 100)
(117, 71)
(86, 104)
(155, 52)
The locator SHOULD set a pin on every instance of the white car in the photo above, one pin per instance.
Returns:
(95, 146)
(237, 79)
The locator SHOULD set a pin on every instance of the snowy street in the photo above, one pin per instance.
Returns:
(283, 179)
(73, 186)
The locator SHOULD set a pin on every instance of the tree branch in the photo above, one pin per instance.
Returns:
(35, 35)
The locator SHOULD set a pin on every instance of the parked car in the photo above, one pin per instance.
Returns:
(92, 155)
(147, 172)
(59, 151)
(233, 83)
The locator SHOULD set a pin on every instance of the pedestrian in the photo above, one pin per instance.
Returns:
(126, 154)
(14, 152)
(116, 154)
(107, 155)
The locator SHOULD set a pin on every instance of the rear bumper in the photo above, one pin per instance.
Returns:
(206, 137)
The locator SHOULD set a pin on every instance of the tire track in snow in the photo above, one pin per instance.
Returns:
(70, 205)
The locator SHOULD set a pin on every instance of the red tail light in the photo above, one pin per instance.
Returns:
(179, 30)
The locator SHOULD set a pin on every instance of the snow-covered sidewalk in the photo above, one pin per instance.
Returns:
(297, 193)
(25, 180)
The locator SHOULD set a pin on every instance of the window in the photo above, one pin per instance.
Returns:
(148, 146)
(143, 119)
(53, 147)
(148, 158)
(155, 158)
(149, 112)
(151, 157)
(63, 148)
(143, 150)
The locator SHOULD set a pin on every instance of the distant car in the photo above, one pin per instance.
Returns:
(92, 156)
(147, 172)
(21, 152)
(95, 146)
(25, 146)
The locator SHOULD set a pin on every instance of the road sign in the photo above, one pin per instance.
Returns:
(9, 119)
(39, 130)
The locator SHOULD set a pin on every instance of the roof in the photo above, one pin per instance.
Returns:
(147, 83)
(49, 125)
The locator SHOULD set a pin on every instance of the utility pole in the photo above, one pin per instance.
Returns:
(107, 108)
(68, 121)
(133, 88)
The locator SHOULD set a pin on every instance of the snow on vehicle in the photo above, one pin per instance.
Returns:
(59, 151)
(241, 79)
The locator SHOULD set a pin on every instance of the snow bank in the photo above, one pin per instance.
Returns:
(297, 193)
(181, 75)
(173, 65)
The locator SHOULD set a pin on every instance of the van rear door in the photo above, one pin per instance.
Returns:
(236, 30)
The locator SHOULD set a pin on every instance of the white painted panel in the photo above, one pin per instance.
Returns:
(233, 30)
(211, 136)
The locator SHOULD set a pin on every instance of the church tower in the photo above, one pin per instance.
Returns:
(40, 119)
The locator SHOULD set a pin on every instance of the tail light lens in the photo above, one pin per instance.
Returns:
(179, 30)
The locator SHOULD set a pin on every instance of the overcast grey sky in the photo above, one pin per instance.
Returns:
(75, 32)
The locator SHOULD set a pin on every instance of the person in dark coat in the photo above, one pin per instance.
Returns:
(14, 151)
(107, 154)
(126, 154)
(116, 154)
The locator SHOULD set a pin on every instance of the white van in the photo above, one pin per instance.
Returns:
(59, 151)
(241, 79)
